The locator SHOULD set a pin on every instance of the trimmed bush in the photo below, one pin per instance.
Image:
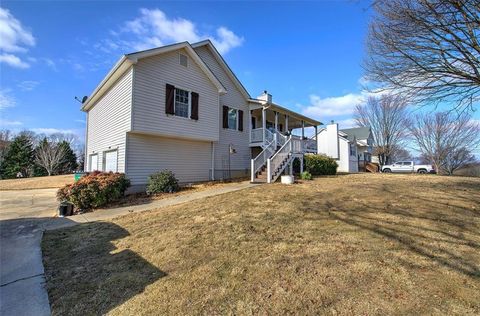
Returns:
(162, 182)
(95, 190)
(306, 175)
(320, 165)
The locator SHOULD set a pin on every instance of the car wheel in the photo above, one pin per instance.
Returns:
(387, 170)
(422, 171)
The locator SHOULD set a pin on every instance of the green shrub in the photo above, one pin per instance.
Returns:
(163, 181)
(306, 175)
(95, 190)
(320, 165)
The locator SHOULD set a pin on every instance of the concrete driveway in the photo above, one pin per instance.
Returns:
(23, 214)
(36, 203)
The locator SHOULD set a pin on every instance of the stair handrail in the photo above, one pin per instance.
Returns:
(276, 160)
(281, 139)
(262, 157)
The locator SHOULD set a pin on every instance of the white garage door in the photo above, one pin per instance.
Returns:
(110, 161)
(93, 162)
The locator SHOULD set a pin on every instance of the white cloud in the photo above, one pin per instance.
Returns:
(13, 61)
(28, 85)
(331, 106)
(15, 39)
(6, 100)
(5, 123)
(80, 121)
(50, 130)
(153, 28)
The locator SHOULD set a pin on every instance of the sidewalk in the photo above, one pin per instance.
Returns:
(105, 214)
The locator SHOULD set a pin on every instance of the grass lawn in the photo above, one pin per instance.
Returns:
(351, 245)
(36, 182)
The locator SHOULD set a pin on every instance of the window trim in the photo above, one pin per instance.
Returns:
(104, 159)
(189, 102)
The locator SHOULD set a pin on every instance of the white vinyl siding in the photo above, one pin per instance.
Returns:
(151, 76)
(240, 161)
(110, 161)
(190, 160)
(109, 120)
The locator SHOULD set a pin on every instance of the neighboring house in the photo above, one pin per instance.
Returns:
(180, 107)
(336, 145)
(364, 139)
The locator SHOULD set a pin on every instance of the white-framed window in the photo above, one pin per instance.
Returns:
(232, 118)
(93, 162)
(110, 161)
(182, 102)
(183, 60)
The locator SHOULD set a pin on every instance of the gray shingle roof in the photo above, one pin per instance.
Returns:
(358, 132)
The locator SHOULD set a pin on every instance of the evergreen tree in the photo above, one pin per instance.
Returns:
(18, 158)
(69, 163)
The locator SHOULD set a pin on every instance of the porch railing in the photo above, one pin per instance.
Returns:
(256, 135)
(259, 161)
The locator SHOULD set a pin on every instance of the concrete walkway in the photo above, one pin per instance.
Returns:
(105, 214)
(22, 288)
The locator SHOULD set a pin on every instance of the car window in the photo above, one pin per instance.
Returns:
(407, 163)
(399, 163)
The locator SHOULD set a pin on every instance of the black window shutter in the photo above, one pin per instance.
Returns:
(169, 99)
(240, 120)
(225, 116)
(194, 114)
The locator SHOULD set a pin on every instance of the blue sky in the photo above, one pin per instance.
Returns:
(306, 54)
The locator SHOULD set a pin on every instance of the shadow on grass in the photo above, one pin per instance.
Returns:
(437, 227)
(87, 275)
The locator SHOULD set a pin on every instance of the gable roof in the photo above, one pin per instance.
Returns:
(224, 66)
(128, 60)
(358, 132)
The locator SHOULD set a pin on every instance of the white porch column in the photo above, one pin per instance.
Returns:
(301, 164)
(286, 122)
(303, 135)
(264, 122)
(316, 138)
(250, 125)
(276, 120)
(291, 167)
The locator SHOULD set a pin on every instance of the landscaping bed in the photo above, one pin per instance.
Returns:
(351, 244)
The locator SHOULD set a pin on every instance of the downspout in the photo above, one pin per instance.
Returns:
(213, 162)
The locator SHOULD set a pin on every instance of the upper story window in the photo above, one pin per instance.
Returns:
(183, 60)
(182, 102)
(232, 118)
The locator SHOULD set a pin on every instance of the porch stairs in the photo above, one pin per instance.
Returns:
(278, 152)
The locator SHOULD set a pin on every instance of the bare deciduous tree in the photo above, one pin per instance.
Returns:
(446, 139)
(427, 49)
(387, 117)
(5, 138)
(49, 155)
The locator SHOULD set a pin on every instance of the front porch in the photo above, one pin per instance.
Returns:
(278, 136)
(271, 121)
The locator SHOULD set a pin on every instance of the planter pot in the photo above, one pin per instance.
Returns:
(287, 179)
(65, 209)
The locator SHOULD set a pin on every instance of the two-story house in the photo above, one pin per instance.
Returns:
(180, 107)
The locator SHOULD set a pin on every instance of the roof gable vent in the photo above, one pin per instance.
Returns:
(183, 60)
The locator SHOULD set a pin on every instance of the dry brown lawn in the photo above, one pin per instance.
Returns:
(36, 182)
(349, 245)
